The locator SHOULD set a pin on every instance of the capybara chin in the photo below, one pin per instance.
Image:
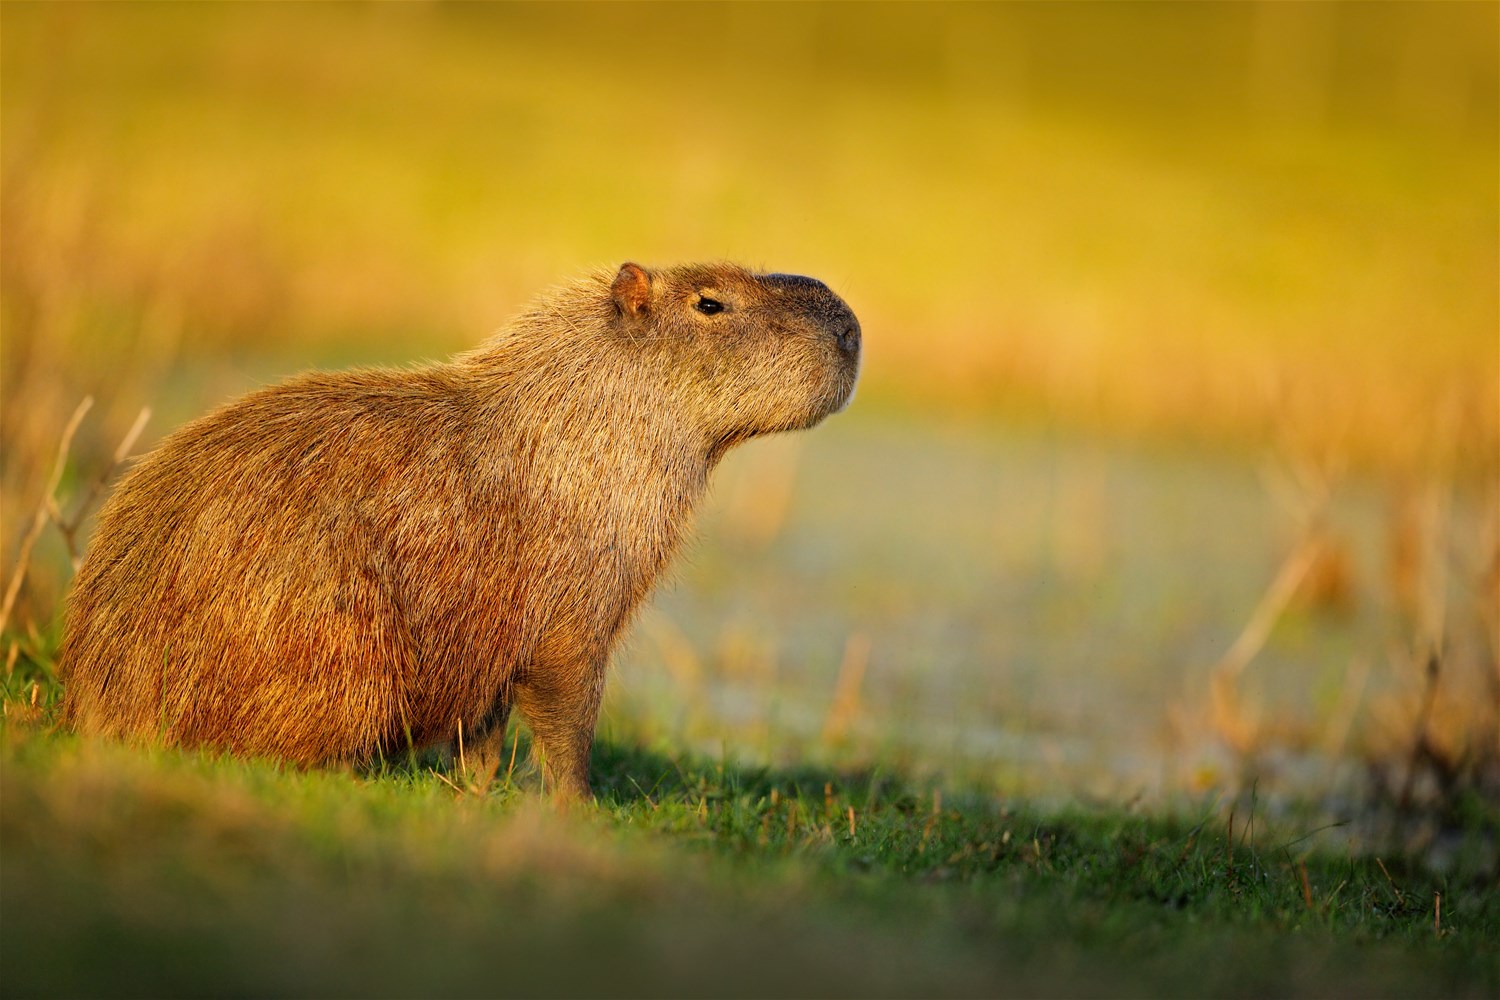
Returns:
(358, 562)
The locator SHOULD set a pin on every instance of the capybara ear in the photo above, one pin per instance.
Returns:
(631, 289)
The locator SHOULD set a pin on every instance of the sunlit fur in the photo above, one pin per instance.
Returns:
(367, 561)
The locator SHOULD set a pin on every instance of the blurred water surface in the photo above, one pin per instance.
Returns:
(1040, 609)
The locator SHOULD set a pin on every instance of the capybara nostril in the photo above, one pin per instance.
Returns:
(849, 339)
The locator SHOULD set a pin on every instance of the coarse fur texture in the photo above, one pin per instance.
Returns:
(358, 562)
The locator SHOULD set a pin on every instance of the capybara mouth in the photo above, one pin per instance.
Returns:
(845, 377)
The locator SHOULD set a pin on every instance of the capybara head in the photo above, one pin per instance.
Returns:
(761, 352)
(724, 352)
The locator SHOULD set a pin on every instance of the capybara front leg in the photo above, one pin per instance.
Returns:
(562, 712)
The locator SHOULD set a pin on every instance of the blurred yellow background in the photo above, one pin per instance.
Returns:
(1199, 218)
(1249, 227)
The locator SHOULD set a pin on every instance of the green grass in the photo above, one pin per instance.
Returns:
(154, 872)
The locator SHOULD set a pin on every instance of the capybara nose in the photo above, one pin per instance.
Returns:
(849, 339)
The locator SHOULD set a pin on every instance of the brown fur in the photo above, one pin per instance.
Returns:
(354, 562)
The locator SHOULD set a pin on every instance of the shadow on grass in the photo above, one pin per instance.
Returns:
(625, 773)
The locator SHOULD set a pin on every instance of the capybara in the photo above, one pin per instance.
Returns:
(377, 560)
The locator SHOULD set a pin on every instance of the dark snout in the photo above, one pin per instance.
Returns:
(838, 319)
(829, 311)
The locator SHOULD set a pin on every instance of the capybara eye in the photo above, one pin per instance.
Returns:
(708, 306)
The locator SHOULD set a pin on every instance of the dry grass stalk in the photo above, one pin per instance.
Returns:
(846, 700)
(69, 526)
(1489, 574)
(44, 510)
(1432, 606)
(463, 764)
(1229, 845)
(1316, 569)
(935, 818)
(50, 508)
(1341, 716)
(1400, 896)
(510, 768)
(1441, 733)
(444, 779)
(1421, 745)
(1236, 724)
(1406, 550)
